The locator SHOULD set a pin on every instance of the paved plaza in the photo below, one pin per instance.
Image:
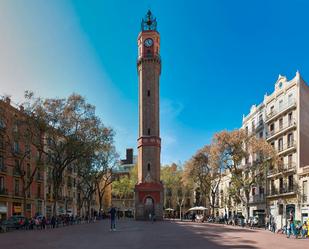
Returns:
(139, 235)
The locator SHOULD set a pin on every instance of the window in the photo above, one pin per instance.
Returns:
(272, 187)
(1, 163)
(148, 166)
(28, 170)
(28, 207)
(260, 119)
(280, 123)
(271, 129)
(290, 99)
(148, 131)
(246, 130)
(290, 140)
(15, 127)
(28, 150)
(272, 108)
(290, 161)
(253, 125)
(16, 168)
(305, 191)
(1, 141)
(272, 144)
(148, 93)
(16, 147)
(280, 105)
(2, 125)
(39, 190)
(16, 187)
(261, 190)
(281, 185)
(253, 191)
(290, 118)
(280, 144)
(1, 183)
(291, 183)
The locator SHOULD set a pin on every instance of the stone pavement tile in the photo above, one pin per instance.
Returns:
(146, 235)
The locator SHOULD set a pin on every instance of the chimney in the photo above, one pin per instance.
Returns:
(129, 156)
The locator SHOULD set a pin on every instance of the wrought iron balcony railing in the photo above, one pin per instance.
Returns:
(282, 168)
(280, 128)
(280, 109)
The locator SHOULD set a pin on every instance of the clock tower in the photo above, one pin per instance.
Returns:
(149, 189)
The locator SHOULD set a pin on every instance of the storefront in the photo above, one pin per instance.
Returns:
(17, 208)
(3, 210)
(304, 213)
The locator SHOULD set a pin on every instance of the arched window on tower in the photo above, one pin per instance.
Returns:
(148, 131)
(148, 166)
(149, 53)
(148, 93)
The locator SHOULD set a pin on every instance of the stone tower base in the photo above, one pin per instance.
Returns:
(148, 199)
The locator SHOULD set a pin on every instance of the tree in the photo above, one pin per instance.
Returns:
(123, 188)
(171, 178)
(235, 148)
(204, 170)
(87, 184)
(71, 131)
(104, 163)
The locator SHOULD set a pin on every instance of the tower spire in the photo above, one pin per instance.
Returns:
(149, 22)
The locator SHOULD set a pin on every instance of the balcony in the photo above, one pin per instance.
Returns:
(18, 194)
(281, 169)
(16, 172)
(283, 191)
(3, 191)
(3, 169)
(259, 126)
(287, 147)
(284, 108)
(49, 197)
(39, 177)
(280, 130)
(257, 199)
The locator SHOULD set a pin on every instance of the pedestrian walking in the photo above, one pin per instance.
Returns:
(53, 221)
(266, 222)
(43, 223)
(112, 213)
(292, 225)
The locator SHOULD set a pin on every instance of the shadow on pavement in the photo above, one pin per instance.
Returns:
(218, 236)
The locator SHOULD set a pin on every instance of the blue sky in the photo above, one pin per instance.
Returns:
(219, 57)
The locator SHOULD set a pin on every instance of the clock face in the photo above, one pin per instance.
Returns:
(148, 42)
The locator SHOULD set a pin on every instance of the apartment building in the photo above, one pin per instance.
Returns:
(18, 162)
(283, 120)
(19, 166)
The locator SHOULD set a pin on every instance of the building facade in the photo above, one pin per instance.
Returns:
(25, 178)
(282, 119)
(18, 166)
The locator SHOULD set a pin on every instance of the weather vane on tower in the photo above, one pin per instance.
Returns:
(149, 22)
